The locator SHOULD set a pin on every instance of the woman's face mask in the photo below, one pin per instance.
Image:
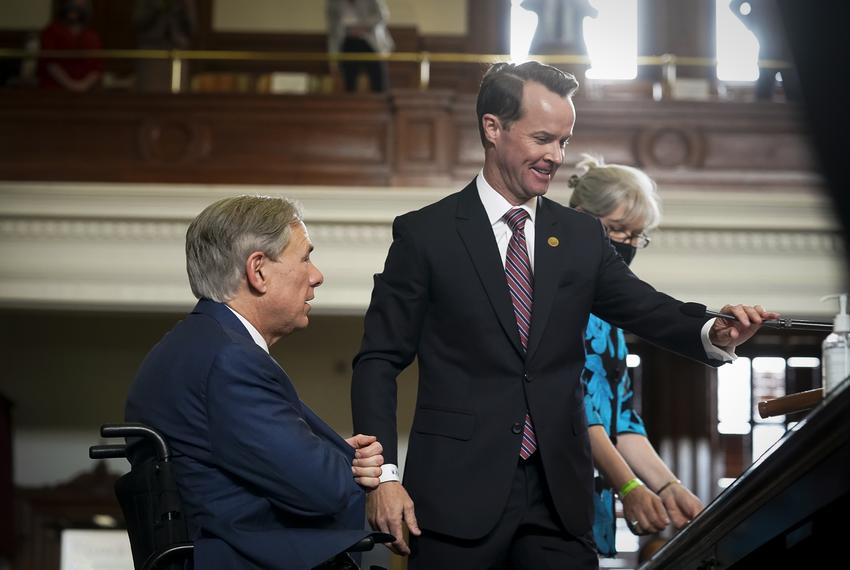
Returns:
(626, 251)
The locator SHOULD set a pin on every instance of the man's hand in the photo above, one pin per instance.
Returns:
(727, 334)
(645, 508)
(386, 508)
(681, 504)
(366, 466)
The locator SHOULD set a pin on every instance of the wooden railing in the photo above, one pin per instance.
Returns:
(667, 62)
(791, 403)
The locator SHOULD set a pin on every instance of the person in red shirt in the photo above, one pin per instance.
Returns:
(70, 31)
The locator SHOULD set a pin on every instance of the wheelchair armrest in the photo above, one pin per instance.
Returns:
(368, 542)
(138, 430)
(182, 550)
(116, 451)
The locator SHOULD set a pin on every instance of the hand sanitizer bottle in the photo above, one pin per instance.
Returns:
(836, 347)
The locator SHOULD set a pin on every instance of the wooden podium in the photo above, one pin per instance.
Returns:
(790, 509)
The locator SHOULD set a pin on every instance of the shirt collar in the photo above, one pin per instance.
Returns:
(255, 334)
(496, 205)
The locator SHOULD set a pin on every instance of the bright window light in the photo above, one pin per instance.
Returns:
(768, 383)
(764, 436)
(624, 540)
(737, 47)
(632, 360)
(616, 562)
(733, 397)
(769, 365)
(523, 27)
(803, 362)
(724, 482)
(611, 39)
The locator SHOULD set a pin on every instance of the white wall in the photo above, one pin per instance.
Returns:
(443, 17)
(24, 14)
(69, 372)
(296, 16)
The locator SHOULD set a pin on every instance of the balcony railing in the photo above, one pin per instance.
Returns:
(668, 63)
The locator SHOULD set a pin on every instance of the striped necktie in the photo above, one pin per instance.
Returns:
(521, 285)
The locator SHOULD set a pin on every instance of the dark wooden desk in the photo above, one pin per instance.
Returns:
(788, 510)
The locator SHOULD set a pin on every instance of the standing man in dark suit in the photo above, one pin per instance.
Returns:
(265, 482)
(491, 288)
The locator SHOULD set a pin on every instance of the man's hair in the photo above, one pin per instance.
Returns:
(501, 88)
(220, 239)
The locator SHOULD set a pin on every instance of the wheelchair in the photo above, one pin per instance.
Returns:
(159, 537)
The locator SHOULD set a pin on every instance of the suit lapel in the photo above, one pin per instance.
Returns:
(477, 235)
(546, 269)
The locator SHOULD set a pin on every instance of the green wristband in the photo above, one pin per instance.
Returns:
(629, 486)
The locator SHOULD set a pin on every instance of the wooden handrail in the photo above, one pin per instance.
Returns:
(791, 403)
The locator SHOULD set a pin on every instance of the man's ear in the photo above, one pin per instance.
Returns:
(492, 127)
(256, 271)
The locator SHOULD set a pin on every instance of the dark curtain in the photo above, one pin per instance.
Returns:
(817, 34)
(7, 528)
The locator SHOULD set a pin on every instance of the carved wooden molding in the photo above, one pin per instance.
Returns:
(174, 141)
(671, 147)
(404, 138)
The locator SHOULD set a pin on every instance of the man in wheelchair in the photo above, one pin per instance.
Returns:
(264, 482)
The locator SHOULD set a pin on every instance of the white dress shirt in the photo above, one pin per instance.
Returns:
(255, 334)
(496, 207)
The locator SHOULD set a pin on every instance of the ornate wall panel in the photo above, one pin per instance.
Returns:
(234, 139)
(406, 138)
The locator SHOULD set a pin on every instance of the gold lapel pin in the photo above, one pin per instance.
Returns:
(553, 241)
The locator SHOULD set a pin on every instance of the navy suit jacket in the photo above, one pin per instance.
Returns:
(444, 299)
(265, 482)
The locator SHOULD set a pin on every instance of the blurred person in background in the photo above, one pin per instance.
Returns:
(163, 24)
(70, 30)
(763, 19)
(359, 26)
(626, 202)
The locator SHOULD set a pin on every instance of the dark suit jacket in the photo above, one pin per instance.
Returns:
(443, 298)
(265, 482)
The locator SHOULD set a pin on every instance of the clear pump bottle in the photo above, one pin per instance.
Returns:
(836, 347)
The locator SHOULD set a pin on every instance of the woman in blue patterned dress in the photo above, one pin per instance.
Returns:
(626, 202)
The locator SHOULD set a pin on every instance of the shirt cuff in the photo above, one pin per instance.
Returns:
(715, 352)
(389, 472)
